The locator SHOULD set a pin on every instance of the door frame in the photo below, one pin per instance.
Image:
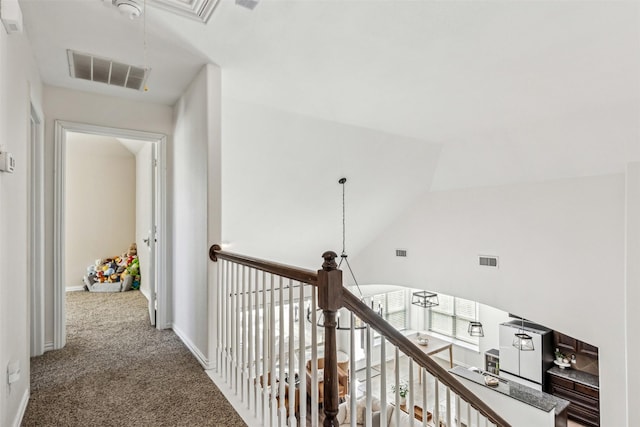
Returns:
(36, 231)
(61, 129)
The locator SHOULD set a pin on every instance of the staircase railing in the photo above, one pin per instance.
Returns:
(267, 352)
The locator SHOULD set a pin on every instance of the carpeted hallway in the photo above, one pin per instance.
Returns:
(117, 370)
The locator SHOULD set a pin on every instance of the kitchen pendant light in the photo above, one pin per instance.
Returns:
(425, 299)
(522, 341)
(475, 327)
(359, 324)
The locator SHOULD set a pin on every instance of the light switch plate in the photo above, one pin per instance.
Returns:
(13, 372)
(7, 162)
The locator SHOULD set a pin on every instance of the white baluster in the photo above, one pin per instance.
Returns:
(302, 386)
(368, 415)
(256, 345)
(425, 413)
(271, 376)
(448, 396)
(227, 320)
(383, 382)
(458, 409)
(265, 350)
(314, 357)
(292, 349)
(234, 329)
(219, 306)
(410, 405)
(436, 404)
(243, 330)
(396, 411)
(352, 369)
(250, 357)
(281, 361)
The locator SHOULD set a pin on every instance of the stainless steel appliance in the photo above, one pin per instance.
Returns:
(526, 367)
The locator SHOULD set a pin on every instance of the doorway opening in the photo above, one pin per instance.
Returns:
(148, 150)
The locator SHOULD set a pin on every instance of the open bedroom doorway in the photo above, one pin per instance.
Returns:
(102, 209)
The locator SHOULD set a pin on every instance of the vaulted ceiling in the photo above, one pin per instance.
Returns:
(511, 90)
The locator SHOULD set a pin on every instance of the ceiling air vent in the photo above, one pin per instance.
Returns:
(488, 261)
(96, 69)
(401, 252)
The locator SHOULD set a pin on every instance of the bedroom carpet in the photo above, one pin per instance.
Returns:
(117, 370)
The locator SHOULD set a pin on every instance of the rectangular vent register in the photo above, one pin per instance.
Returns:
(488, 261)
(103, 70)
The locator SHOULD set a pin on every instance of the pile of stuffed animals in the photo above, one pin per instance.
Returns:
(116, 269)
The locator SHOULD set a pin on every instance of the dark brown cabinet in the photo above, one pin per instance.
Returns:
(565, 343)
(569, 345)
(585, 401)
(587, 349)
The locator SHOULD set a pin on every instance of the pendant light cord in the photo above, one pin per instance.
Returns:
(343, 257)
(344, 251)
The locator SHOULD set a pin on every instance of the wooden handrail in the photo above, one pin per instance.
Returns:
(299, 274)
(367, 315)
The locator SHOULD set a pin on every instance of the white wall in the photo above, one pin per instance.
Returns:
(561, 247)
(100, 202)
(280, 182)
(19, 82)
(143, 206)
(191, 158)
(633, 290)
(82, 107)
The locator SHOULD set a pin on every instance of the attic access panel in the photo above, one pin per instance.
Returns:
(104, 70)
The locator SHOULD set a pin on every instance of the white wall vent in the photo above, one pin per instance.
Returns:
(88, 67)
(401, 252)
(488, 260)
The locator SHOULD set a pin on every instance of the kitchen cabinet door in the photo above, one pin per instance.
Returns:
(565, 343)
(587, 349)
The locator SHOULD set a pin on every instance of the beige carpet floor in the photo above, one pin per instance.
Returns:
(117, 370)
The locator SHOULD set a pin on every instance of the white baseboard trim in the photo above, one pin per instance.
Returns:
(240, 407)
(48, 346)
(22, 409)
(145, 293)
(74, 288)
(192, 347)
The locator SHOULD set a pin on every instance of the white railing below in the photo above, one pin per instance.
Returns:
(269, 347)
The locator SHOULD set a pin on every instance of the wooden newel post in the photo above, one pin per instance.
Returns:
(330, 301)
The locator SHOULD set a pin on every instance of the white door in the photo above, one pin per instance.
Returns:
(146, 223)
(152, 236)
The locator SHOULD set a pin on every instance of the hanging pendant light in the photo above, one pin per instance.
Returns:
(359, 324)
(475, 328)
(522, 341)
(425, 299)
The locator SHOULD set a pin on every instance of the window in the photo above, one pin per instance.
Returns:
(452, 317)
(394, 308)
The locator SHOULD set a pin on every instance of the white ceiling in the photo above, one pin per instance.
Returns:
(512, 90)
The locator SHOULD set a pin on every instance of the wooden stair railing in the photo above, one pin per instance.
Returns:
(331, 297)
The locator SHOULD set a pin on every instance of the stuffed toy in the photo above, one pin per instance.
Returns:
(116, 269)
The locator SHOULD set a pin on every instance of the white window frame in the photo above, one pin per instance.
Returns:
(456, 318)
